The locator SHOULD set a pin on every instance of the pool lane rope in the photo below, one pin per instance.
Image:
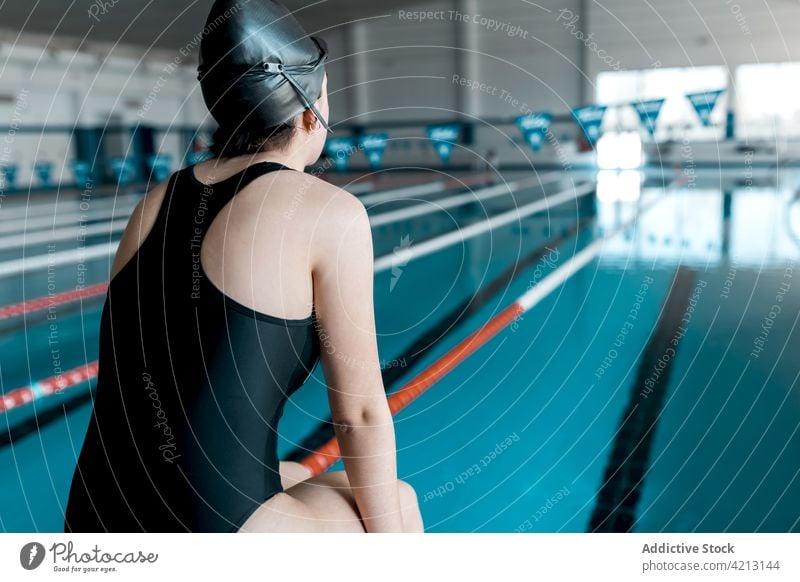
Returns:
(48, 209)
(34, 223)
(42, 303)
(381, 264)
(42, 229)
(326, 455)
(399, 399)
(25, 265)
(48, 387)
(456, 200)
(438, 243)
(420, 189)
(64, 233)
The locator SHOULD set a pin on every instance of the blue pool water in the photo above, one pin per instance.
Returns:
(556, 423)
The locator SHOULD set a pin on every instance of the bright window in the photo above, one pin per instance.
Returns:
(677, 118)
(767, 104)
(619, 151)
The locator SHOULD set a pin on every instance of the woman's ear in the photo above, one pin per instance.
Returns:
(309, 121)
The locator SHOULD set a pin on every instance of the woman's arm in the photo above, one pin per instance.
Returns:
(343, 275)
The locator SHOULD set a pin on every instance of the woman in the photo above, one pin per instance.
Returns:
(225, 281)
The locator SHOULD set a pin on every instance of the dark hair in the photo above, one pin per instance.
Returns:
(241, 141)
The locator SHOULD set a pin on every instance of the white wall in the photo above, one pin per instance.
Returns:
(65, 88)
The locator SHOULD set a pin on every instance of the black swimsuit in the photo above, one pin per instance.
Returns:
(191, 385)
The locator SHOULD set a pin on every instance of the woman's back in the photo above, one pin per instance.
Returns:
(192, 381)
(208, 324)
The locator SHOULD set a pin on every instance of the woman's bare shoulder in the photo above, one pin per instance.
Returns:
(319, 200)
(335, 220)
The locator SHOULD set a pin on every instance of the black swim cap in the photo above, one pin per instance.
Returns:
(258, 67)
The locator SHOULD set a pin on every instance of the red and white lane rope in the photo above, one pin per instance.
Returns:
(54, 385)
(42, 303)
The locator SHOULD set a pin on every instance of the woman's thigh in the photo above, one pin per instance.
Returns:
(320, 504)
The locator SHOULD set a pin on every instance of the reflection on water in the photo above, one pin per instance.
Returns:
(624, 186)
(760, 230)
(752, 227)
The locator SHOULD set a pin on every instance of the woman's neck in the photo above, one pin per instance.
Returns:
(291, 160)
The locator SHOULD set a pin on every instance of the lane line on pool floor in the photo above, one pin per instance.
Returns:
(619, 494)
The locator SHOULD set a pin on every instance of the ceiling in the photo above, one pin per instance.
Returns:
(159, 25)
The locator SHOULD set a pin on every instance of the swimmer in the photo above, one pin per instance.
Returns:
(225, 279)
